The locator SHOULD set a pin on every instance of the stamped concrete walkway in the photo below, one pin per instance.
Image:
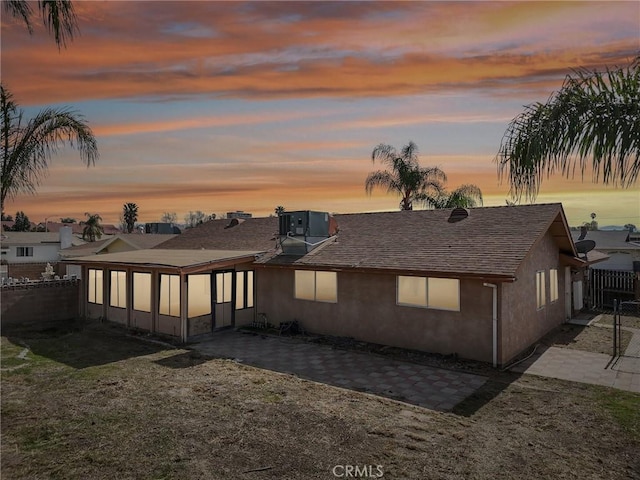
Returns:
(587, 367)
(429, 387)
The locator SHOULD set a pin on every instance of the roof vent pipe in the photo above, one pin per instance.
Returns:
(458, 214)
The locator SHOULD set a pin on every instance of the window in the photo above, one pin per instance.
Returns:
(169, 295)
(318, 286)
(142, 292)
(95, 286)
(553, 285)
(118, 297)
(540, 290)
(439, 293)
(223, 287)
(24, 251)
(198, 295)
(244, 289)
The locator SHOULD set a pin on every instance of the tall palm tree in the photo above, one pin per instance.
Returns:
(58, 16)
(406, 177)
(26, 148)
(465, 196)
(92, 229)
(279, 210)
(594, 120)
(130, 215)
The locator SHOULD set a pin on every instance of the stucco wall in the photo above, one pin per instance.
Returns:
(41, 253)
(521, 322)
(46, 301)
(366, 310)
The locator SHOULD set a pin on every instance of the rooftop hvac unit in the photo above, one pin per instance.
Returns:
(300, 232)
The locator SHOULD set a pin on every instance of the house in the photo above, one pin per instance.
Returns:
(26, 254)
(616, 244)
(123, 242)
(483, 283)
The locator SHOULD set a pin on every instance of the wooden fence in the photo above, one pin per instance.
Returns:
(609, 285)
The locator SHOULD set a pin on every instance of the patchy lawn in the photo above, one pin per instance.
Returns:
(94, 403)
(625, 321)
(589, 339)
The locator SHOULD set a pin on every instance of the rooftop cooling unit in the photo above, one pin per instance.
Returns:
(300, 232)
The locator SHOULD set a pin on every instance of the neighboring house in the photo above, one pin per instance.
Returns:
(616, 244)
(26, 254)
(123, 242)
(484, 283)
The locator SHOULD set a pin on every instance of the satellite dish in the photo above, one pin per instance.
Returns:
(584, 246)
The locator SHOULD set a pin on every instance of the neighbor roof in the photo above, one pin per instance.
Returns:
(608, 239)
(250, 234)
(136, 241)
(491, 241)
(29, 238)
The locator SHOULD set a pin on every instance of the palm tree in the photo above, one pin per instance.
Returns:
(58, 16)
(130, 215)
(279, 210)
(92, 229)
(26, 149)
(593, 120)
(465, 196)
(407, 178)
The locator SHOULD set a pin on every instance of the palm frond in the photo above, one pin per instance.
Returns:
(594, 120)
(60, 19)
(19, 9)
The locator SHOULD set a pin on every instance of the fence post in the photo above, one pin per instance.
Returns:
(615, 328)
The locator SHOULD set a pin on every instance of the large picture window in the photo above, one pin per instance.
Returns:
(438, 293)
(317, 286)
(244, 289)
(199, 295)
(142, 292)
(118, 289)
(540, 290)
(169, 295)
(95, 286)
(553, 285)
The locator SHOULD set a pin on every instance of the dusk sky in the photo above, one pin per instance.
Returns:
(224, 106)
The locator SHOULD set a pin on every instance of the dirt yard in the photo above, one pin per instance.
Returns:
(92, 403)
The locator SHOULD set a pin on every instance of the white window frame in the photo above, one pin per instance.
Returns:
(137, 302)
(314, 286)
(425, 295)
(244, 289)
(541, 290)
(92, 277)
(553, 285)
(120, 275)
(170, 279)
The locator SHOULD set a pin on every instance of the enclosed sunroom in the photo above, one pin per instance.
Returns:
(178, 293)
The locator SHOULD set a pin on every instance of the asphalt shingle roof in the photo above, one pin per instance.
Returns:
(250, 234)
(491, 241)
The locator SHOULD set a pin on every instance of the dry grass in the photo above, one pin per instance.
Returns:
(92, 403)
(589, 339)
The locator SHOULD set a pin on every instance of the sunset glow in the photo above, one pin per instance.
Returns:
(223, 106)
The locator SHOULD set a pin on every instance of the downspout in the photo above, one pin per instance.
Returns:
(494, 321)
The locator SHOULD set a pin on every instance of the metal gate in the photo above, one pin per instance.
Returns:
(626, 317)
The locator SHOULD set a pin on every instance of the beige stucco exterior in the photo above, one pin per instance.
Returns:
(521, 322)
(366, 309)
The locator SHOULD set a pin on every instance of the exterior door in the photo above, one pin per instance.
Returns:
(223, 311)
